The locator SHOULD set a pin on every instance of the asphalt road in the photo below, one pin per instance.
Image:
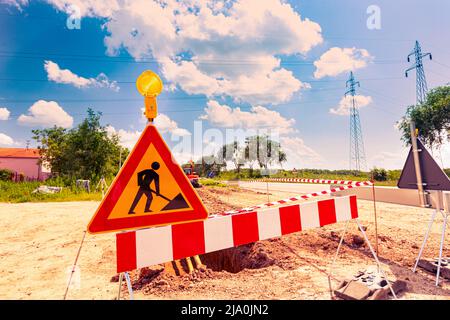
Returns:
(294, 188)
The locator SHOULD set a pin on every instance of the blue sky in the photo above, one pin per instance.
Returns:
(211, 67)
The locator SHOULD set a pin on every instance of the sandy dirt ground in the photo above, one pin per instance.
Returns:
(39, 243)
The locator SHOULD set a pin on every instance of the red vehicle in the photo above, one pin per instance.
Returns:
(192, 175)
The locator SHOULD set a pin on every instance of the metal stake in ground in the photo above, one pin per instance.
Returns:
(74, 266)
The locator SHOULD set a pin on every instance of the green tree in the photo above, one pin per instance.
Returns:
(379, 174)
(234, 153)
(264, 151)
(432, 118)
(52, 144)
(85, 152)
(208, 164)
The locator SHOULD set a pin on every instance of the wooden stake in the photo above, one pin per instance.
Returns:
(198, 262)
(189, 265)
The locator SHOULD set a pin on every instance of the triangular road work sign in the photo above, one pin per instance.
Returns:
(433, 177)
(150, 190)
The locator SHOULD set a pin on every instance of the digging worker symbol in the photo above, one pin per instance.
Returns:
(144, 179)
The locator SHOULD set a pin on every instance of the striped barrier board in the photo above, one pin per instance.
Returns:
(147, 247)
(300, 197)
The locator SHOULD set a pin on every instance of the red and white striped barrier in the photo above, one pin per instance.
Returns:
(147, 247)
(300, 197)
(301, 180)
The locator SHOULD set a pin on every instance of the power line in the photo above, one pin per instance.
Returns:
(221, 62)
(130, 99)
(439, 74)
(134, 81)
(246, 108)
(148, 59)
(383, 96)
(375, 106)
(441, 64)
(96, 100)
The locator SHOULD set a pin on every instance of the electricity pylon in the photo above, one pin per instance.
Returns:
(421, 82)
(357, 153)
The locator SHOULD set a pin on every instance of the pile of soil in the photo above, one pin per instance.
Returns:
(212, 202)
(285, 253)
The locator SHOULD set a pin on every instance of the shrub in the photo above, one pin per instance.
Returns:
(6, 174)
(379, 174)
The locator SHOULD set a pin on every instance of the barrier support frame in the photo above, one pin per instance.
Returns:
(366, 239)
(445, 216)
(128, 281)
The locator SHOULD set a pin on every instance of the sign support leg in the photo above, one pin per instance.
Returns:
(336, 256)
(371, 250)
(425, 239)
(120, 285)
(130, 289)
(444, 226)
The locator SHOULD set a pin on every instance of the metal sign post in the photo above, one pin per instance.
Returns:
(422, 172)
(415, 152)
(441, 198)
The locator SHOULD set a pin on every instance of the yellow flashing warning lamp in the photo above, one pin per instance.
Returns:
(150, 86)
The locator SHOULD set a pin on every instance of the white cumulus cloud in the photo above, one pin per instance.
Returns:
(46, 114)
(86, 8)
(389, 160)
(6, 140)
(343, 109)
(208, 47)
(257, 118)
(338, 60)
(167, 125)
(299, 155)
(58, 75)
(4, 114)
(19, 4)
(126, 138)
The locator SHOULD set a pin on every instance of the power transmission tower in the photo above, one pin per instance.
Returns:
(421, 82)
(357, 153)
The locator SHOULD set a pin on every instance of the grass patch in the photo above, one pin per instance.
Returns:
(16, 192)
(392, 176)
(212, 183)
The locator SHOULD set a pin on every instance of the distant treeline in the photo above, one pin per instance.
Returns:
(378, 174)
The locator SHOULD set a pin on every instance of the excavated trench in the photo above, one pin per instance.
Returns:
(250, 256)
(173, 275)
(233, 260)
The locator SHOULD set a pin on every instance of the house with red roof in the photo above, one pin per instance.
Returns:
(23, 161)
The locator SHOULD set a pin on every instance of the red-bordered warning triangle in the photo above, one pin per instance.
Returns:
(150, 190)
